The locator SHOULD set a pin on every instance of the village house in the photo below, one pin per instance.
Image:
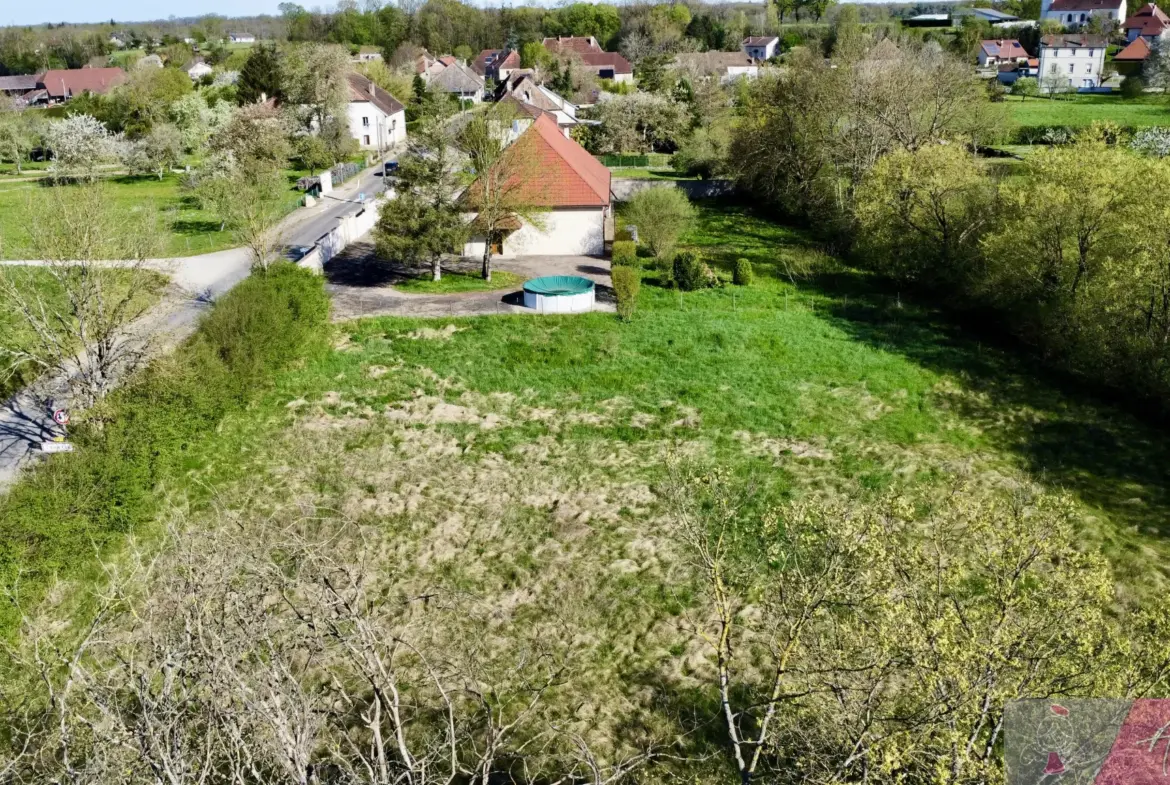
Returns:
(241, 38)
(197, 69)
(496, 64)
(1071, 62)
(994, 53)
(460, 81)
(569, 187)
(586, 50)
(1074, 13)
(724, 66)
(522, 87)
(58, 86)
(376, 119)
(760, 47)
(17, 86)
(1142, 30)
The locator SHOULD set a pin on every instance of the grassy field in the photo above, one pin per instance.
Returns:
(453, 283)
(519, 460)
(1082, 110)
(187, 229)
(827, 385)
(14, 329)
(648, 174)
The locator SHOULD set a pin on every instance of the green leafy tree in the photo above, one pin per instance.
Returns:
(1026, 87)
(261, 76)
(424, 222)
(661, 215)
(921, 213)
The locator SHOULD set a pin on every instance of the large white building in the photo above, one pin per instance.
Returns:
(1074, 13)
(376, 119)
(569, 186)
(1071, 62)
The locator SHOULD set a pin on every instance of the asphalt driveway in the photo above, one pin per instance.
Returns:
(362, 285)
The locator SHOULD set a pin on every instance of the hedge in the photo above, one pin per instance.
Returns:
(59, 514)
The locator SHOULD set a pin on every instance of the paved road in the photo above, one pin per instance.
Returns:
(26, 419)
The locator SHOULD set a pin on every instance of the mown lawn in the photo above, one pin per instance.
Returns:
(648, 174)
(187, 229)
(455, 283)
(1083, 110)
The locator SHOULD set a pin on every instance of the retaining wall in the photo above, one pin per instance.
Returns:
(623, 189)
(347, 229)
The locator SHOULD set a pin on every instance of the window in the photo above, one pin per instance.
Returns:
(366, 122)
(366, 140)
(1071, 69)
(1090, 53)
(1089, 68)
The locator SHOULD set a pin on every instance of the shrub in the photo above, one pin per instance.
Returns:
(626, 283)
(690, 273)
(1132, 87)
(661, 214)
(743, 273)
(143, 433)
(625, 253)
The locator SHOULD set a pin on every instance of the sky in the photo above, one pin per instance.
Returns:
(23, 12)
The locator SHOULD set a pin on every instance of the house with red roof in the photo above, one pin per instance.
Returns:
(59, 85)
(1074, 13)
(496, 63)
(1150, 23)
(586, 50)
(566, 187)
(1001, 50)
(377, 120)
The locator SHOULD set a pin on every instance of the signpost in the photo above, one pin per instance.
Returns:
(61, 417)
(52, 447)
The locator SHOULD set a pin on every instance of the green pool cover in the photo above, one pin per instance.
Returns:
(553, 285)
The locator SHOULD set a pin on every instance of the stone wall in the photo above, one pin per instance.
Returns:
(624, 188)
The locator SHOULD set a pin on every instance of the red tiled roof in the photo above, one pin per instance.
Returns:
(1149, 20)
(562, 173)
(1009, 49)
(577, 44)
(511, 61)
(447, 60)
(363, 89)
(67, 83)
(1136, 51)
(619, 64)
(759, 40)
(480, 63)
(1086, 5)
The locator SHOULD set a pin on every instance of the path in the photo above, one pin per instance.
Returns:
(197, 281)
(362, 286)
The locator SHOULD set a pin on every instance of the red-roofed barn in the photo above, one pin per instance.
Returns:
(567, 186)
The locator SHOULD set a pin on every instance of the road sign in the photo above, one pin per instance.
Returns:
(61, 417)
(51, 447)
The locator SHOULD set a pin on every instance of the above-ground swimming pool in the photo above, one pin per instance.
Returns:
(559, 294)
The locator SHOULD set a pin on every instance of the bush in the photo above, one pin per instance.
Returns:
(626, 283)
(690, 272)
(1132, 87)
(743, 273)
(625, 253)
(144, 433)
(661, 214)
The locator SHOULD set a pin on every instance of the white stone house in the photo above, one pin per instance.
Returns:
(1001, 50)
(1074, 13)
(241, 38)
(760, 47)
(376, 119)
(569, 189)
(1071, 62)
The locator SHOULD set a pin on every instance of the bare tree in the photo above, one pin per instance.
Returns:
(509, 187)
(79, 307)
(272, 655)
(253, 211)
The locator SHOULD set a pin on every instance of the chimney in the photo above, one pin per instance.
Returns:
(371, 86)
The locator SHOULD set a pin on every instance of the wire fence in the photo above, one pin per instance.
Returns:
(633, 161)
(344, 171)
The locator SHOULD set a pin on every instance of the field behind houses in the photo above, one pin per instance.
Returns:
(1076, 111)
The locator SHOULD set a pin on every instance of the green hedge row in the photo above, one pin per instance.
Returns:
(62, 513)
(635, 159)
